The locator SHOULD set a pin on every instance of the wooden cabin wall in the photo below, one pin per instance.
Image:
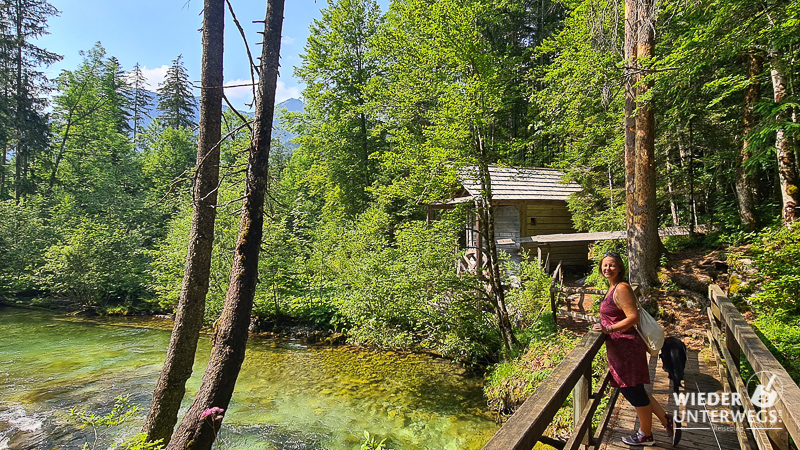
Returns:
(550, 217)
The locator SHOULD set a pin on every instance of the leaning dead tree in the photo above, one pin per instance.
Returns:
(202, 421)
(177, 369)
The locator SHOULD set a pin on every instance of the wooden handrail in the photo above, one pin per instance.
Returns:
(526, 426)
(739, 336)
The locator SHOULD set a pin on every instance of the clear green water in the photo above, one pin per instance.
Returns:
(289, 395)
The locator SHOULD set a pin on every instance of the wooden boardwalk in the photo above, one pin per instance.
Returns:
(701, 376)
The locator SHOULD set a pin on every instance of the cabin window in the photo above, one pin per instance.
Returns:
(533, 221)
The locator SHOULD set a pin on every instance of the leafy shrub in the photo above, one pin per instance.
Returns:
(512, 381)
(777, 252)
(95, 262)
(782, 337)
(532, 298)
(24, 237)
(399, 287)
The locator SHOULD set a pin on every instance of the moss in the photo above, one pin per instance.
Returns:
(734, 284)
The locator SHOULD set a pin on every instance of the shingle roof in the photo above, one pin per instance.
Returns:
(509, 183)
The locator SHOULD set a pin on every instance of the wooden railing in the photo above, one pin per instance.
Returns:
(527, 426)
(730, 336)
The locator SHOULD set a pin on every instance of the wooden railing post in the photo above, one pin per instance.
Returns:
(580, 398)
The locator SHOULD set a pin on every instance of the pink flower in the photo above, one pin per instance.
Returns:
(215, 412)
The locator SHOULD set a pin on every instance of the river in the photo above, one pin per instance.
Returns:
(289, 395)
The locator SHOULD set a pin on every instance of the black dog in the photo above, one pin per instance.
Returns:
(673, 360)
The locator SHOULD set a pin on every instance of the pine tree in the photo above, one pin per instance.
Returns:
(21, 94)
(118, 94)
(139, 99)
(175, 99)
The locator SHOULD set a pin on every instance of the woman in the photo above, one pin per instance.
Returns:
(627, 352)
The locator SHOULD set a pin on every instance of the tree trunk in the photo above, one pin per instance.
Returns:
(673, 206)
(787, 166)
(631, 78)
(744, 182)
(177, 369)
(643, 252)
(497, 294)
(230, 337)
(18, 119)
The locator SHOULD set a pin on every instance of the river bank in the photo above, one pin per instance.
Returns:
(289, 394)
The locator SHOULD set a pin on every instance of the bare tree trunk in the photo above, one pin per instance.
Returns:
(177, 369)
(744, 182)
(497, 295)
(486, 214)
(787, 166)
(198, 428)
(673, 207)
(18, 119)
(643, 252)
(3, 162)
(631, 78)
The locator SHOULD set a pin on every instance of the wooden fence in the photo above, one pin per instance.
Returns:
(731, 337)
(527, 426)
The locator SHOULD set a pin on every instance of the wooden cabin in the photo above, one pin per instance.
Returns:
(528, 202)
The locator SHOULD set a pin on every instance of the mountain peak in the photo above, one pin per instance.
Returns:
(291, 105)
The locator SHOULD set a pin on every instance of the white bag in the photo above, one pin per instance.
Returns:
(650, 330)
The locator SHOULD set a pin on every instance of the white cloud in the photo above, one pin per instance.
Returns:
(154, 76)
(239, 93)
(287, 40)
(285, 93)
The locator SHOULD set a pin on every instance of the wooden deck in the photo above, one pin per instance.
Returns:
(701, 376)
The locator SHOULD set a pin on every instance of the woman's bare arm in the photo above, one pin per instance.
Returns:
(625, 300)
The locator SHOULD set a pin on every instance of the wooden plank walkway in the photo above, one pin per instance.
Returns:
(701, 375)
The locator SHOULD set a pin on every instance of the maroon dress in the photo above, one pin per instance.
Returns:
(627, 352)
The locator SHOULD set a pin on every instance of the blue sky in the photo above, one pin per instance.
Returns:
(155, 32)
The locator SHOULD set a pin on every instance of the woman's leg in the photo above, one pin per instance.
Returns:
(658, 410)
(645, 414)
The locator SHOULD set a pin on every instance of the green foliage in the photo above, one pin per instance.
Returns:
(24, 237)
(371, 443)
(777, 252)
(23, 93)
(168, 156)
(175, 99)
(122, 411)
(579, 97)
(532, 298)
(782, 337)
(95, 262)
(511, 382)
(397, 287)
(338, 134)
